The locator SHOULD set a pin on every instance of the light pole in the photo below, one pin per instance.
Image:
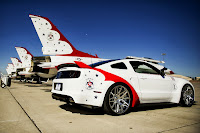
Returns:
(163, 54)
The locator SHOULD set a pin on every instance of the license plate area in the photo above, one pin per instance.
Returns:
(58, 86)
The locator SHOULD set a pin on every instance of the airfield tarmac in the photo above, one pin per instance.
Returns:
(27, 107)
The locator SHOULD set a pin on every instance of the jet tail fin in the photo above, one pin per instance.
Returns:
(53, 41)
(25, 56)
(16, 62)
(10, 68)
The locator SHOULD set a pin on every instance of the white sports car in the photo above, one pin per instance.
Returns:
(118, 85)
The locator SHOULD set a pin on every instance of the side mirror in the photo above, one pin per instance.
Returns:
(162, 72)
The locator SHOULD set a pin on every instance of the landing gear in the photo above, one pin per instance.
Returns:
(39, 81)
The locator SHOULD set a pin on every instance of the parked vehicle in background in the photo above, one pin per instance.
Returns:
(5, 81)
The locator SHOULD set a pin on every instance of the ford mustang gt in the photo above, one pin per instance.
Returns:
(118, 85)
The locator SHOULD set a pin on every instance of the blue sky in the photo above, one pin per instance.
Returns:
(110, 28)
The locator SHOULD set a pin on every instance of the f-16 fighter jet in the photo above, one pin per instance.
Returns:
(62, 52)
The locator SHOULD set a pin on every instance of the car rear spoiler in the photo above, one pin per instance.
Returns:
(145, 59)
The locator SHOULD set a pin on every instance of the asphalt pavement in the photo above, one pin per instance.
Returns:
(28, 107)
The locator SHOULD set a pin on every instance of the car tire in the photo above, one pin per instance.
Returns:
(118, 100)
(187, 96)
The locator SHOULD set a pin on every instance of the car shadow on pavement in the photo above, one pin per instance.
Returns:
(82, 110)
(99, 111)
(155, 106)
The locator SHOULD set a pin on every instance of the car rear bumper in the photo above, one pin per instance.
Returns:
(64, 98)
(73, 90)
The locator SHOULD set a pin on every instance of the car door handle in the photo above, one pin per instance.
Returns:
(143, 78)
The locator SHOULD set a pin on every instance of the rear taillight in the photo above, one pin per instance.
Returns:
(68, 74)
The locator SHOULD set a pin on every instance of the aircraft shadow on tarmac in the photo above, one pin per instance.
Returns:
(46, 90)
(36, 85)
(19, 82)
(99, 111)
(32, 86)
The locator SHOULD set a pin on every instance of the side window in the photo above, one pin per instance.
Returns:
(141, 67)
(145, 69)
(120, 65)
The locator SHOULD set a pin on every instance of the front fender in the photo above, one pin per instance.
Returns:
(179, 84)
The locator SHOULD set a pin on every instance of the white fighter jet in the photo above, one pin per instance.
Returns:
(11, 70)
(27, 71)
(18, 68)
(62, 52)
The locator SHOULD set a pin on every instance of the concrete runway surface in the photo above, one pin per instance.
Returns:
(27, 107)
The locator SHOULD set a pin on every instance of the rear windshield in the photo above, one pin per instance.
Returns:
(68, 74)
(101, 63)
